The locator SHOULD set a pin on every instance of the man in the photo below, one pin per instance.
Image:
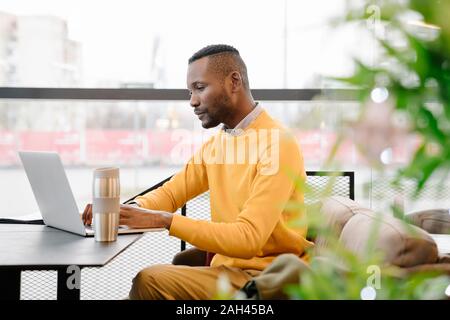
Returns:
(248, 167)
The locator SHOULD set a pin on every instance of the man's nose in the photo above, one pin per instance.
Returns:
(194, 101)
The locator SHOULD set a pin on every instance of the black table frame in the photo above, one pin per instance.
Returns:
(10, 279)
(11, 276)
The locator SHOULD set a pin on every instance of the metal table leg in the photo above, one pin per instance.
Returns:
(10, 284)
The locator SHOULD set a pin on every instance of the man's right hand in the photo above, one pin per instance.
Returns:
(87, 215)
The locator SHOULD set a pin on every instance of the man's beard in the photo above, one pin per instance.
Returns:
(222, 108)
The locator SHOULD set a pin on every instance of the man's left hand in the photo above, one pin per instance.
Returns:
(140, 218)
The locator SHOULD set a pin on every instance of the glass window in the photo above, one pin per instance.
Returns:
(150, 141)
(286, 44)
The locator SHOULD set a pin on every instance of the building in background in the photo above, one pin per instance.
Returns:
(36, 51)
(8, 27)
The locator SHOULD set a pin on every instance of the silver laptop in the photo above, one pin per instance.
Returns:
(54, 196)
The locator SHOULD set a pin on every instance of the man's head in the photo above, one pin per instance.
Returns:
(217, 81)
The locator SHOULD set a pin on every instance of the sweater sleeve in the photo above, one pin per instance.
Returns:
(191, 181)
(270, 191)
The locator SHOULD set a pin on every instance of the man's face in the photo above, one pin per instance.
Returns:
(209, 98)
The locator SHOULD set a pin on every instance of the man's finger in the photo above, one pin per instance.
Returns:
(85, 214)
(89, 215)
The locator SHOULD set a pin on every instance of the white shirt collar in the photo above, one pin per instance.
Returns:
(244, 123)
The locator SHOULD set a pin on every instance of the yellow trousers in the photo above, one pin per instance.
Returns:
(177, 282)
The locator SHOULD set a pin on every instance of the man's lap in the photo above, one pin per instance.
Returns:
(185, 282)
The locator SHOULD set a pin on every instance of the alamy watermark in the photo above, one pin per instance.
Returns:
(373, 21)
(238, 147)
(374, 280)
(74, 279)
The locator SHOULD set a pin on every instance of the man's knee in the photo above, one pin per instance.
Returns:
(145, 284)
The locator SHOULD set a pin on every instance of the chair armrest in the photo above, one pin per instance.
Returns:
(190, 257)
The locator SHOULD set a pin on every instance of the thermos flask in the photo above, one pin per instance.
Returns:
(106, 203)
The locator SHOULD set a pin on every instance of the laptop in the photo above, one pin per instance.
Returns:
(54, 196)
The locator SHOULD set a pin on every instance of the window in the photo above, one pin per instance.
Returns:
(286, 44)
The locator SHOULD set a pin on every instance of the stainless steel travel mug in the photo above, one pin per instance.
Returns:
(106, 203)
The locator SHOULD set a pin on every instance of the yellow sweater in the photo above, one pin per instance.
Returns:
(249, 181)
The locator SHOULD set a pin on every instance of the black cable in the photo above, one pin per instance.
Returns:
(15, 221)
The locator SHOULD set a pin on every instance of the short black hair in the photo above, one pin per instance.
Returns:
(223, 60)
(212, 50)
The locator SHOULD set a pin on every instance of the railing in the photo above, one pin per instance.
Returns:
(169, 94)
(314, 149)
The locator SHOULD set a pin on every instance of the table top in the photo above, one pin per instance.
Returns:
(42, 247)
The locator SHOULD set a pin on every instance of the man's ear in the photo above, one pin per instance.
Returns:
(236, 81)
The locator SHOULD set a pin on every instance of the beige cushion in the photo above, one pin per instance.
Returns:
(337, 211)
(399, 243)
(433, 221)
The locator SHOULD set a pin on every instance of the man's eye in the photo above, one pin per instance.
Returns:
(200, 88)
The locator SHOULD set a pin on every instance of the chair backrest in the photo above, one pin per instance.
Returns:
(342, 184)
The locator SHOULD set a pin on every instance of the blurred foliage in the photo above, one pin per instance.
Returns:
(414, 47)
(413, 42)
(336, 273)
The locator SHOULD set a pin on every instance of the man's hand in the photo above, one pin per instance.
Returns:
(136, 217)
(87, 215)
(140, 218)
